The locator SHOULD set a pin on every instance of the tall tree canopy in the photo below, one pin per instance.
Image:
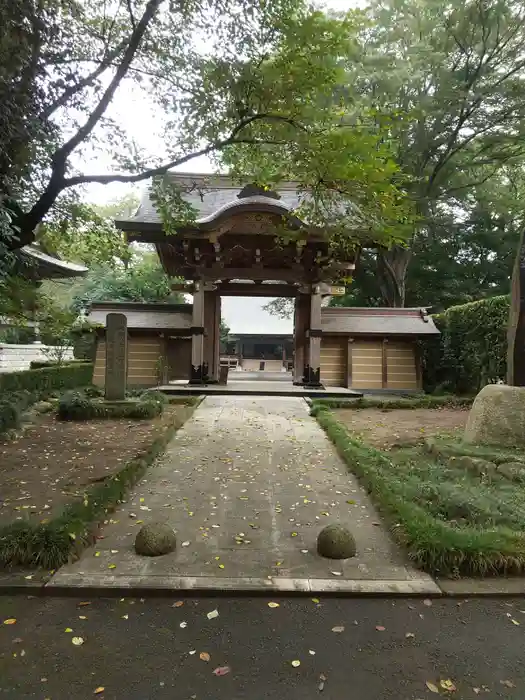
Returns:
(455, 71)
(223, 73)
(450, 78)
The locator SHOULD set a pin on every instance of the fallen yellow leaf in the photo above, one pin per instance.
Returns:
(98, 690)
(10, 621)
(68, 629)
(178, 604)
(112, 566)
(296, 663)
(77, 641)
(432, 687)
(204, 656)
(273, 605)
(448, 685)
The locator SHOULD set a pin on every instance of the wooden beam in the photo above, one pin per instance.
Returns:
(245, 289)
(259, 274)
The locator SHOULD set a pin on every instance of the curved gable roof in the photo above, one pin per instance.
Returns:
(213, 197)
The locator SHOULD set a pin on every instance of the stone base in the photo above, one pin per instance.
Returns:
(312, 377)
(199, 374)
(497, 417)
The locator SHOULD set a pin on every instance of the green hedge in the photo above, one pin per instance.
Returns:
(47, 379)
(472, 348)
(19, 390)
(389, 403)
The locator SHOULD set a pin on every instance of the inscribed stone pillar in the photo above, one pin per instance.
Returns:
(116, 357)
(301, 324)
(212, 319)
(312, 369)
(199, 369)
(516, 327)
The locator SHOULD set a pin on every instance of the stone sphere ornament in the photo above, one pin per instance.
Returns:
(155, 539)
(336, 542)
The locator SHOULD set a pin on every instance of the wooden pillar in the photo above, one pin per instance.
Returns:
(301, 324)
(212, 317)
(217, 354)
(312, 368)
(199, 369)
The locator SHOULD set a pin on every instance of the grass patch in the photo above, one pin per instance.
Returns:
(409, 402)
(52, 544)
(451, 522)
(444, 449)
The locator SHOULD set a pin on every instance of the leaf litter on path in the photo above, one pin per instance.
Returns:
(204, 656)
(221, 670)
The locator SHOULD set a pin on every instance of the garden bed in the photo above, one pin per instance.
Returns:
(387, 428)
(58, 480)
(452, 521)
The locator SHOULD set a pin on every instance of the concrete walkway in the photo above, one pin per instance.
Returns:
(248, 483)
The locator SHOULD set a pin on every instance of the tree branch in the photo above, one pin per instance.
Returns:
(162, 169)
(73, 90)
(57, 181)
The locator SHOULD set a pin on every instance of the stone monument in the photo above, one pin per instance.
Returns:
(116, 357)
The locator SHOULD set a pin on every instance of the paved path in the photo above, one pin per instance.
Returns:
(139, 650)
(248, 483)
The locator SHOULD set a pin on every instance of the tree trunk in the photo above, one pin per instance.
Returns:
(392, 264)
(516, 327)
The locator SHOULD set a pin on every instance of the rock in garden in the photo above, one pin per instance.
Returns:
(474, 465)
(336, 542)
(497, 417)
(513, 471)
(155, 539)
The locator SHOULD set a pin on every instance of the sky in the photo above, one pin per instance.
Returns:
(140, 119)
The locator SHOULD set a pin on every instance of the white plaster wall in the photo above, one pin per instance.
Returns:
(14, 358)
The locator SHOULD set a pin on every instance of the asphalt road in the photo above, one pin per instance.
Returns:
(348, 649)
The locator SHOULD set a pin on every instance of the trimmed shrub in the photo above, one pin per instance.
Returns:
(472, 348)
(19, 390)
(77, 405)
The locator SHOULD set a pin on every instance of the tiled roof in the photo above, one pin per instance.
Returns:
(364, 321)
(48, 267)
(211, 195)
(145, 316)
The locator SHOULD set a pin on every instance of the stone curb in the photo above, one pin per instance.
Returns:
(108, 584)
(478, 588)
